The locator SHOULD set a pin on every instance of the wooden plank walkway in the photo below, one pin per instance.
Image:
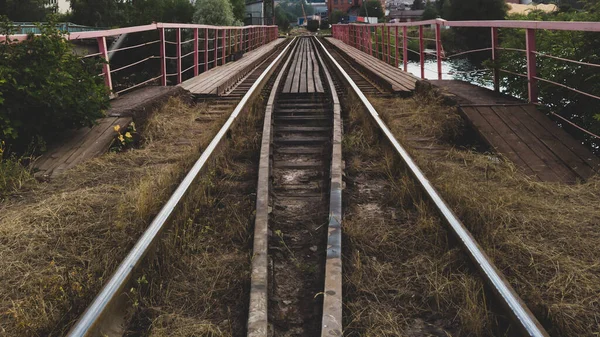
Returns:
(86, 143)
(384, 74)
(218, 80)
(304, 75)
(526, 136)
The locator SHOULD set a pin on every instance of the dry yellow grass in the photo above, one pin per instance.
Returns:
(543, 236)
(61, 240)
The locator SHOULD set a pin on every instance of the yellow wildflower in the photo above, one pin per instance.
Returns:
(117, 128)
(128, 135)
(121, 138)
(132, 126)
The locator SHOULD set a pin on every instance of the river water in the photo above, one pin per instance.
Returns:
(454, 69)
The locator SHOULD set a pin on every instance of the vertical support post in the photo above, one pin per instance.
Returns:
(205, 49)
(495, 58)
(376, 43)
(421, 52)
(215, 45)
(389, 44)
(531, 69)
(438, 49)
(178, 40)
(396, 48)
(163, 57)
(106, 66)
(224, 47)
(405, 48)
(196, 46)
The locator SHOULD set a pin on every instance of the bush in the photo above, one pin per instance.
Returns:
(324, 24)
(312, 25)
(45, 89)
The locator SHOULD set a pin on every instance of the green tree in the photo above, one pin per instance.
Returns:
(336, 16)
(24, 10)
(430, 11)
(372, 8)
(474, 38)
(281, 19)
(239, 9)
(417, 4)
(99, 13)
(143, 12)
(214, 12)
(46, 90)
(446, 9)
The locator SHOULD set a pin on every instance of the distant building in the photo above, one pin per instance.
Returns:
(58, 6)
(405, 15)
(259, 12)
(342, 5)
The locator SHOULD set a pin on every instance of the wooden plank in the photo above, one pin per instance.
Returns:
(318, 81)
(571, 143)
(302, 87)
(296, 72)
(552, 141)
(532, 140)
(310, 79)
(491, 137)
(517, 146)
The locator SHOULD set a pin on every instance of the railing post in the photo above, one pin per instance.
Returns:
(531, 69)
(376, 43)
(495, 58)
(163, 57)
(389, 44)
(224, 47)
(196, 46)
(102, 48)
(371, 41)
(205, 49)
(396, 49)
(405, 48)
(215, 45)
(421, 51)
(438, 49)
(178, 39)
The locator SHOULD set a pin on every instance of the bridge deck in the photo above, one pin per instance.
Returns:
(304, 75)
(523, 134)
(218, 80)
(386, 75)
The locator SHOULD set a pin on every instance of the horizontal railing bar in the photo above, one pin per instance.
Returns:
(566, 87)
(91, 55)
(190, 68)
(468, 52)
(512, 49)
(134, 63)
(567, 60)
(136, 46)
(139, 84)
(573, 124)
(188, 54)
(512, 73)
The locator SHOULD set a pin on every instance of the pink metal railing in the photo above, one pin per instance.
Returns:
(366, 36)
(220, 41)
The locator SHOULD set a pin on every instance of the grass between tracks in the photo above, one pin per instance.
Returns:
(542, 236)
(61, 240)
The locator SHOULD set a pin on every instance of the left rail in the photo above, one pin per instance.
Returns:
(106, 303)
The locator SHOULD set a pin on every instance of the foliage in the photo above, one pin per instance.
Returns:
(324, 24)
(336, 16)
(282, 19)
(372, 8)
(124, 138)
(99, 13)
(239, 9)
(13, 172)
(110, 13)
(24, 10)
(580, 46)
(417, 4)
(312, 25)
(473, 38)
(214, 12)
(46, 90)
(430, 12)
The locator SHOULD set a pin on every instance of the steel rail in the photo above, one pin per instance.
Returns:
(522, 315)
(258, 307)
(109, 294)
(331, 324)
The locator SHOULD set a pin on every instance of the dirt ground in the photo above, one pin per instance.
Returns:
(409, 278)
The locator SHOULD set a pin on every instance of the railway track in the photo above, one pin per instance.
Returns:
(296, 276)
